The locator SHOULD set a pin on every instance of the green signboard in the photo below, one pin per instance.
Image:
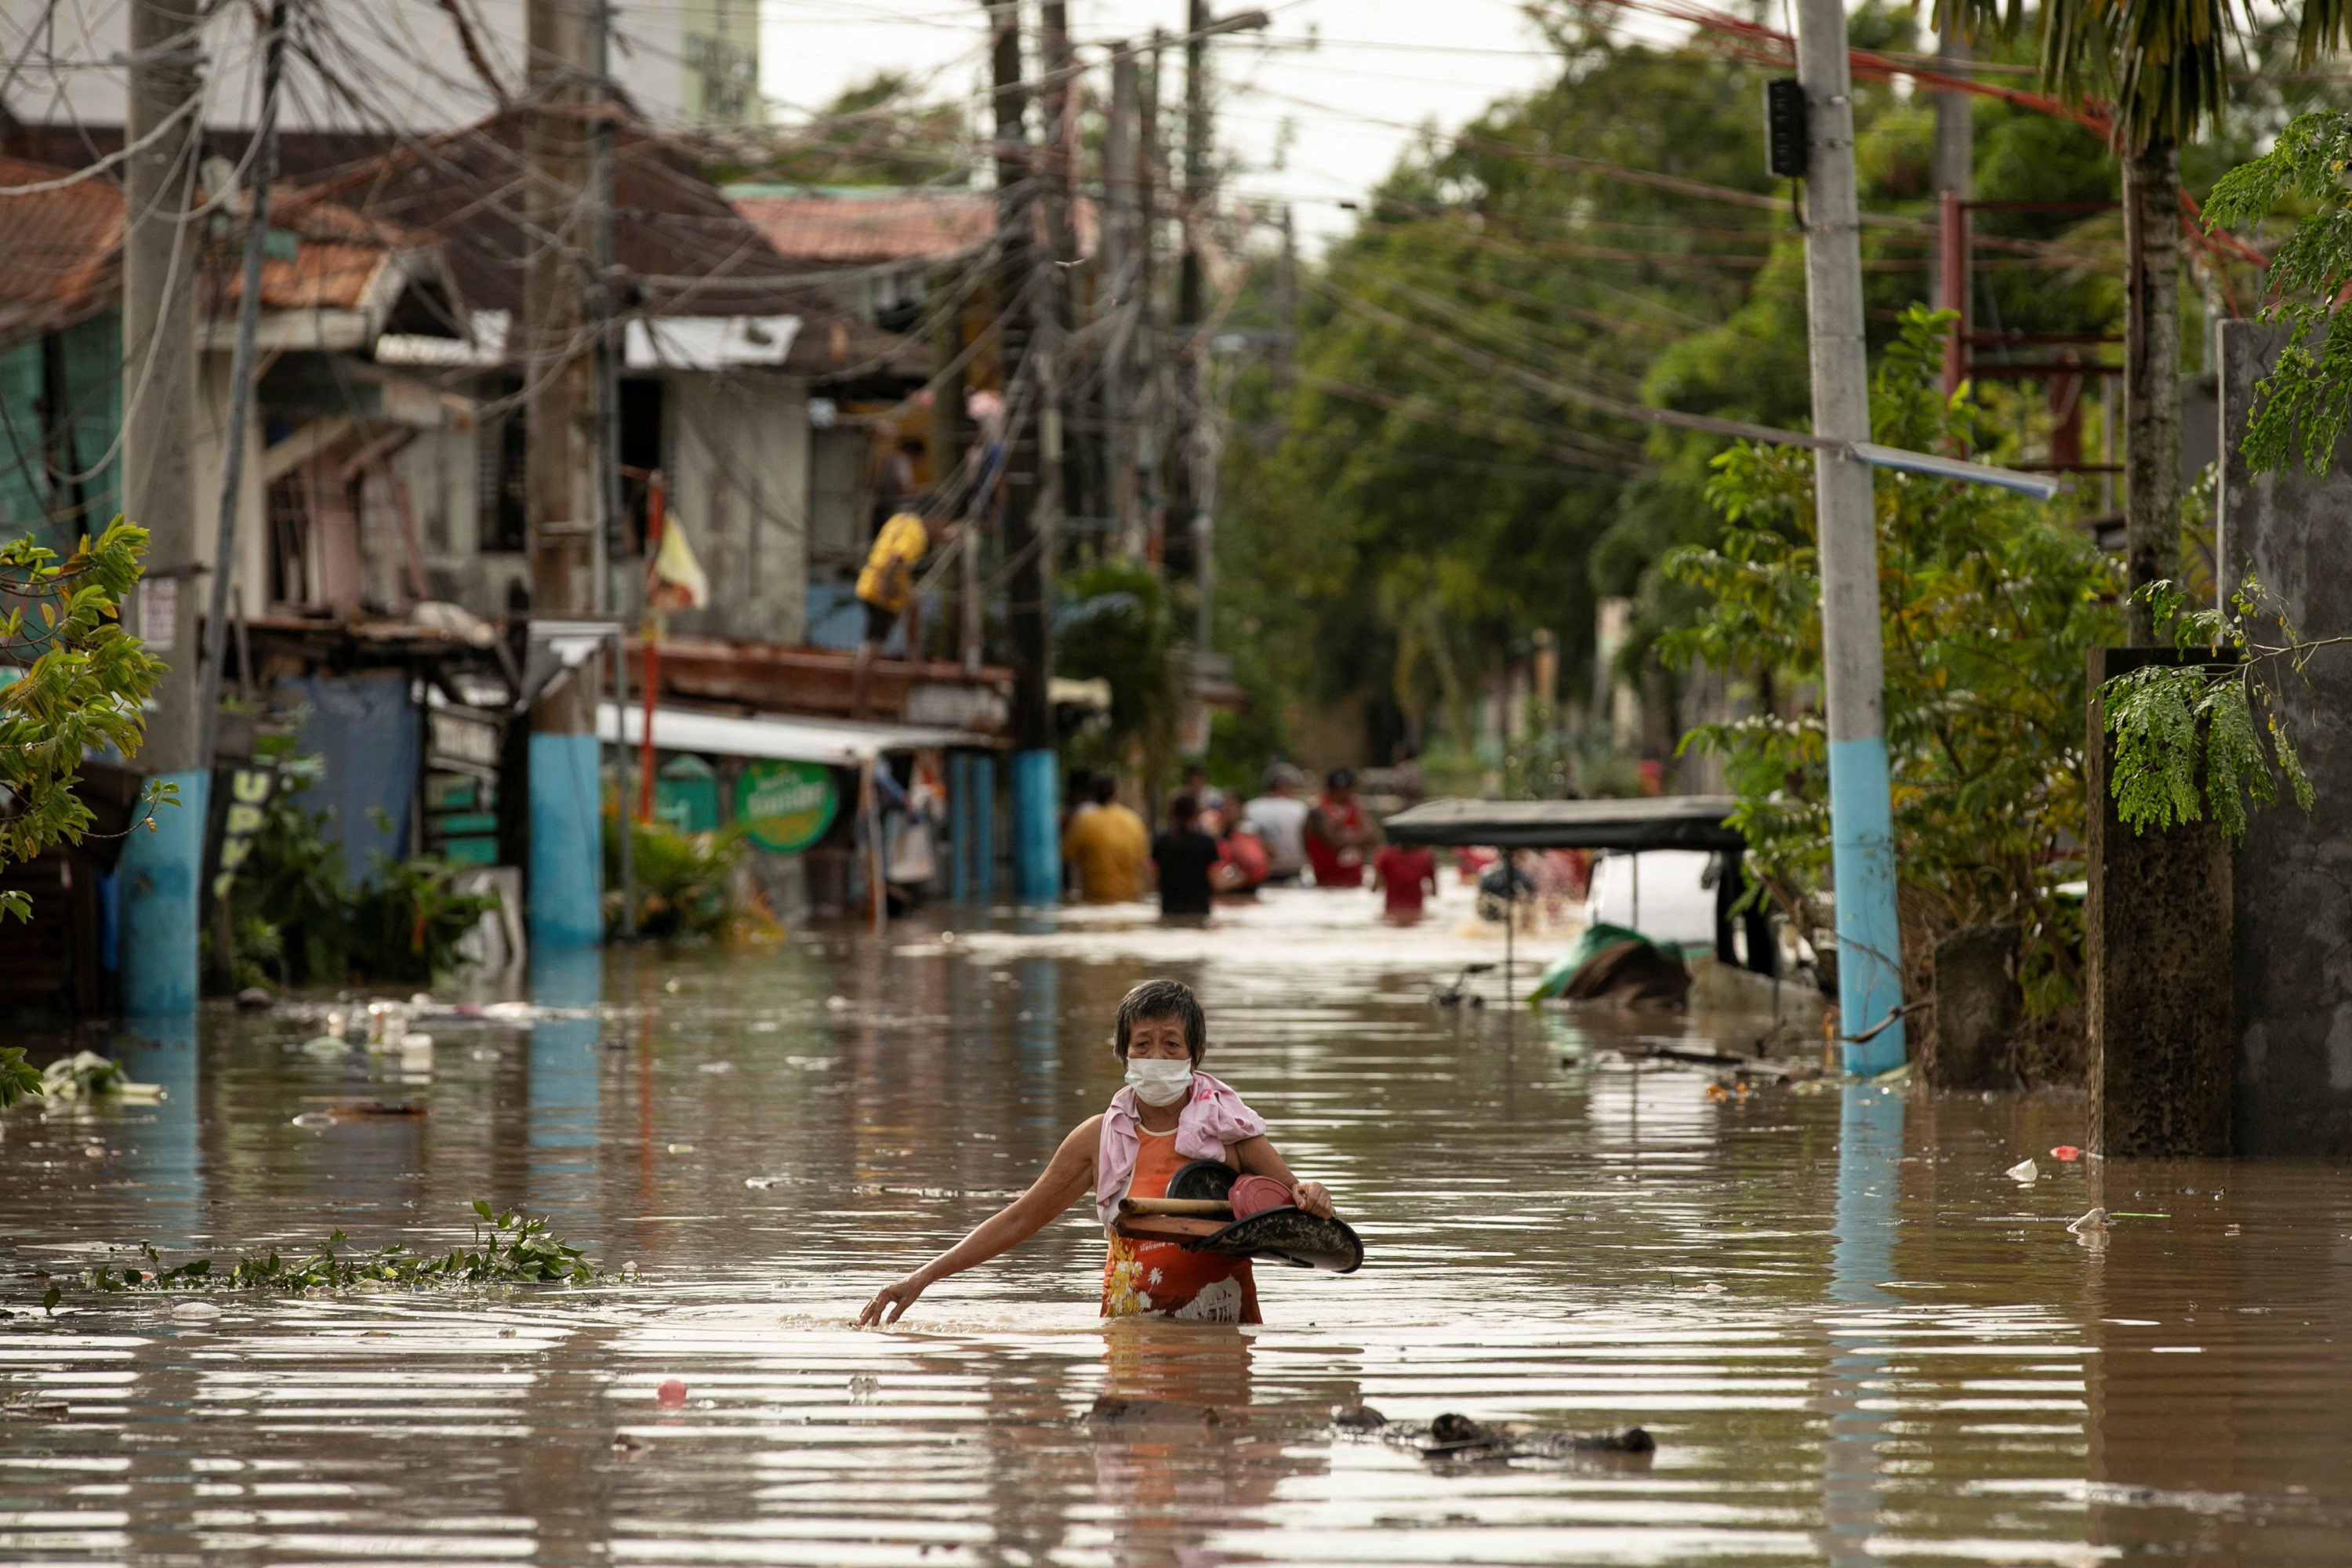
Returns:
(785, 806)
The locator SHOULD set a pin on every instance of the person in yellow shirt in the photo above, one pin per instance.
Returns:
(887, 588)
(1109, 846)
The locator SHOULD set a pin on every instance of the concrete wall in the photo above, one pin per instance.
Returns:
(442, 471)
(2294, 878)
(736, 452)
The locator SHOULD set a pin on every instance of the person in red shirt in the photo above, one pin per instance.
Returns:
(1336, 834)
(1407, 874)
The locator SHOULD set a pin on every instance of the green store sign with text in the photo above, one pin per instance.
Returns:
(785, 806)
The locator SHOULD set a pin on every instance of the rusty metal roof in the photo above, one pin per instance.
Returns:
(60, 249)
(61, 253)
(849, 227)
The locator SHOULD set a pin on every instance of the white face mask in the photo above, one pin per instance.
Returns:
(1158, 1080)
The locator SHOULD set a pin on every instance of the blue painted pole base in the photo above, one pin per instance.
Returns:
(1869, 936)
(567, 843)
(1037, 846)
(162, 879)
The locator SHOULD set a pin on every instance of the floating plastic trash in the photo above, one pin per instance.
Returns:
(2065, 1153)
(672, 1393)
(326, 1045)
(2024, 1171)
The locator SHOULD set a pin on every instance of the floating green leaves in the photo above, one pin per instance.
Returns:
(507, 1249)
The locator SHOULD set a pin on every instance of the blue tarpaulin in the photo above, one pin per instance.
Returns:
(367, 729)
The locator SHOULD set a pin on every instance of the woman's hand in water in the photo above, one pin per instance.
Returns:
(891, 1301)
(1314, 1198)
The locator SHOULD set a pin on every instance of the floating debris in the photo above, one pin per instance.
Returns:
(2024, 1171)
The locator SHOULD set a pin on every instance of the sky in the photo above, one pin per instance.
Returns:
(1314, 126)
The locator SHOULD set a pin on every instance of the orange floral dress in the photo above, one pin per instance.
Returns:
(1161, 1278)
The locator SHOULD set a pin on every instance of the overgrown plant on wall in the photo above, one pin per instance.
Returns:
(295, 917)
(1990, 605)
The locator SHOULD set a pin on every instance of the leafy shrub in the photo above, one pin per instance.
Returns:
(295, 917)
(1988, 605)
(685, 880)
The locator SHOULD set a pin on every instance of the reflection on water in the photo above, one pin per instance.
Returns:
(1856, 1340)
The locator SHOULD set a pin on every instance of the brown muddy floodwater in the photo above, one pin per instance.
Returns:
(1853, 1338)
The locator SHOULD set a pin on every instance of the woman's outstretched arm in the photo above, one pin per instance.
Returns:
(1070, 1173)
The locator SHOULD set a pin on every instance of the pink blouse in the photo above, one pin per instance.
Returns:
(1211, 1121)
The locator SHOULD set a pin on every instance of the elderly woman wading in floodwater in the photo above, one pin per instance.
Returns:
(1169, 1114)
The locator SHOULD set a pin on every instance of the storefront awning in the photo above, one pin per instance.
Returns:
(1655, 821)
(837, 741)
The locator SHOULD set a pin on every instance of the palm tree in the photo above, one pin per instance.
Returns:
(2164, 67)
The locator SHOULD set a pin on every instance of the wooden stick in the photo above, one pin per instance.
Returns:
(1165, 1227)
(1197, 1208)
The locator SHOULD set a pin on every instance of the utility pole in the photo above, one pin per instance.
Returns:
(1285, 304)
(1028, 539)
(561, 416)
(1192, 213)
(1069, 442)
(1118, 268)
(1153, 424)
(163, 870)
(1869, 940)
(262, 175)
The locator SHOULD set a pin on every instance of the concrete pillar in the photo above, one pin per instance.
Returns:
(1977, 1010)
(2292, 907)
(2156, 965)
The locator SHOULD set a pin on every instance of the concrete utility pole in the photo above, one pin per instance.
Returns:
(163, 871)
(1152, 426)
(1065, 437)
(1118, 261)
(561, 416)
(258, 180)
(1870, 955)
(1028, 540)
(1192, 213)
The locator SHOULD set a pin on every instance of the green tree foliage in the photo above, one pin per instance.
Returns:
(2206, 739)
(1116, 622)
(75, 682)
(1432, 489)
(1990, 603)
(2302, 408)
(80, 680)
(879, 131)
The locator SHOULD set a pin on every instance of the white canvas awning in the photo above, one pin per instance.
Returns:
(837, 741)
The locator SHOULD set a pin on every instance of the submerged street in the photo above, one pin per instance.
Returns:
(1852, 1336)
